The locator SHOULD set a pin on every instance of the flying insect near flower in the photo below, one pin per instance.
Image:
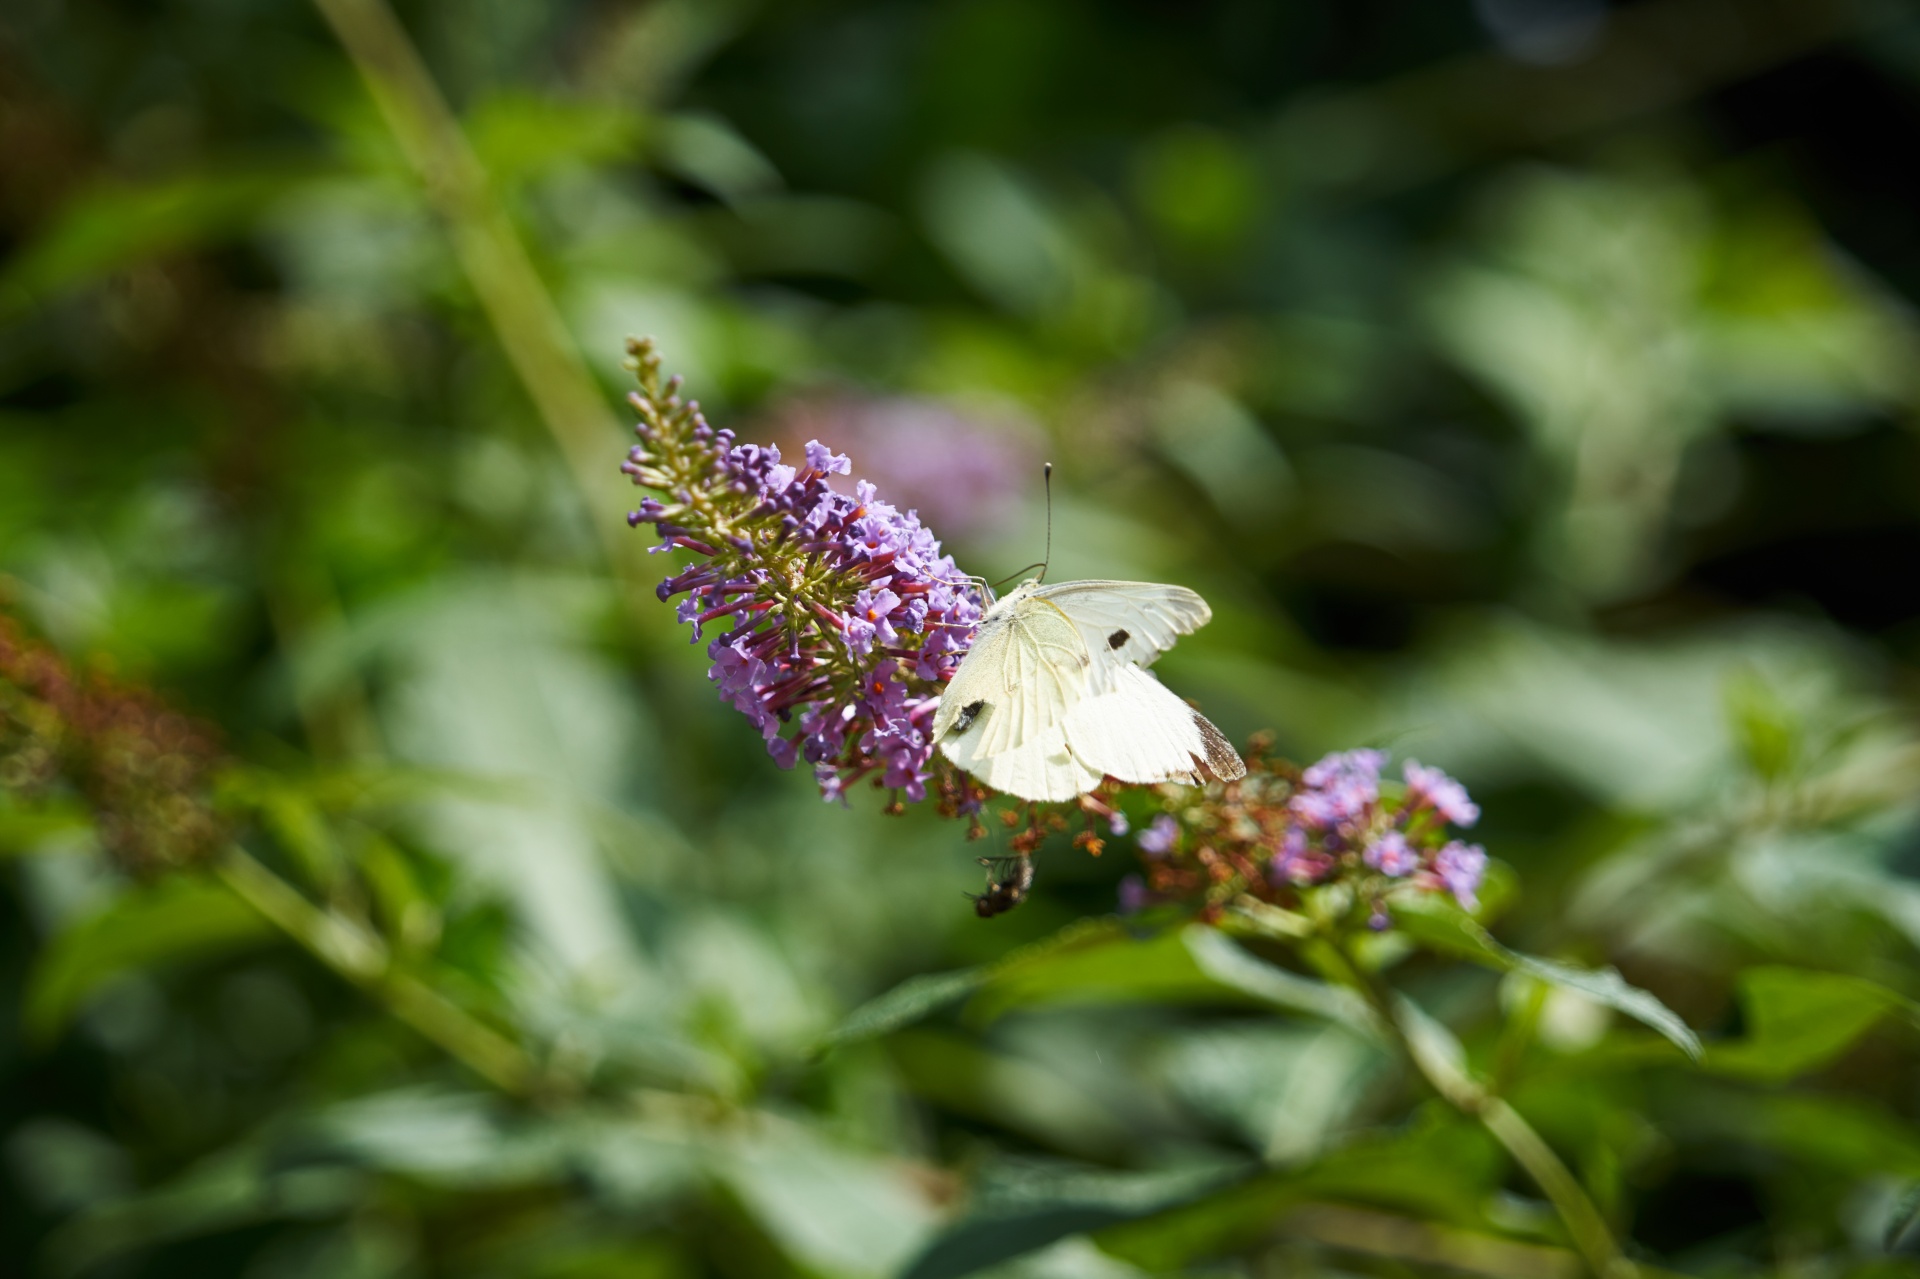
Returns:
(1054, 694)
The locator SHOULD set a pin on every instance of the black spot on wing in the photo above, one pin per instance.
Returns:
(968, 713)
(1118, 639)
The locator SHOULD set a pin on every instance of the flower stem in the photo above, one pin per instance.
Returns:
(363, 959)
(1447, 1075)
(497, 265)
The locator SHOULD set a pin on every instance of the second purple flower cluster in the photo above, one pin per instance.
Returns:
(1273, 833)
(1339, 814)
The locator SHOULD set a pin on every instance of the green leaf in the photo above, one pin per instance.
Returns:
(1799, 1020)
(1111, 966)
(832, 1210)
(1440, 1167)
(298, 826)
(1606, 986)
(458, 1140)
(1816, 1133)
(1443, 926)
(518, 136)
(1103, 962)
(1232, 965)
(1765, 728)
(922, 996)
(28, 831)
(961, 1073)
(1901, 1219)
(1022, 1208)
(909, 1002)
(177, 919)
(109, 227)
(229, 1190)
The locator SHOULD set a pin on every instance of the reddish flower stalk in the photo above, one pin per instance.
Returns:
(145, 771)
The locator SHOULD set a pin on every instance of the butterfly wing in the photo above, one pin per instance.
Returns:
(1042, 769)
(1026, 668)
(1126, 623)
(1139, 731)
(1051, 696)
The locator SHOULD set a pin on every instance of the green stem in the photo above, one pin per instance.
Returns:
(362, 959)
(1586, 1226)
(495, 261)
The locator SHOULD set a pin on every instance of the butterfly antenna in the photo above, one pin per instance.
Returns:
(1046, 478)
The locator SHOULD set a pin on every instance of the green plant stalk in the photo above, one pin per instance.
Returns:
(495, 261)
(1586, 1225)
(362, 959)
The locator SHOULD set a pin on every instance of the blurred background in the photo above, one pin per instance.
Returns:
(1530, 386)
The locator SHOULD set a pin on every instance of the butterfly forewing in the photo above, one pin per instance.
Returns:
(1026, 667)
(1126, 623)
(1046, 673)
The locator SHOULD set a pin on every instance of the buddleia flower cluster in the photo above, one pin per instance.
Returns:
(833, 620)
(146, 771)
(1278, 834)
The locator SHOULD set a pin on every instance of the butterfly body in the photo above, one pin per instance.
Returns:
(1053, 695)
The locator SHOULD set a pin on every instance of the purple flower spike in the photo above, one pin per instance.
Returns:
(841, 616)
(1461, 868)
(1117, 823)
(1431, 788)
(1158, 839)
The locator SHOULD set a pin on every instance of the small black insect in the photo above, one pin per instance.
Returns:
(1008, 879)
(1117, 639)
(968, 713)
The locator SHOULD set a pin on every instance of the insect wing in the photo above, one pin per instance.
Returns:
(1126, 623)
(1139, 731)
(1041, 769)
(977, 682)
(1009, 879)
(1018, 680)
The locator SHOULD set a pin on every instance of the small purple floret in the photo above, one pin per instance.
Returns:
(1339, 790)
(1158, 839)
(1390, 855)
(1461, 868)
(1431, 788)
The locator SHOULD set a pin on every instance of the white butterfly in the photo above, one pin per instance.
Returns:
(1052, 696)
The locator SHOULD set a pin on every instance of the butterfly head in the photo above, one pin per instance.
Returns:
(1003, 604)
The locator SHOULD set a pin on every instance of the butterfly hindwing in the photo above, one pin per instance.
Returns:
(1041, 769)
(1139, 731)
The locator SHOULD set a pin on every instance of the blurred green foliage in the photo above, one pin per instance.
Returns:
(1530, 385)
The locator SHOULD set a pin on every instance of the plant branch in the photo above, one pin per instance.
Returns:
(1448, 1076)
(363, 959)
